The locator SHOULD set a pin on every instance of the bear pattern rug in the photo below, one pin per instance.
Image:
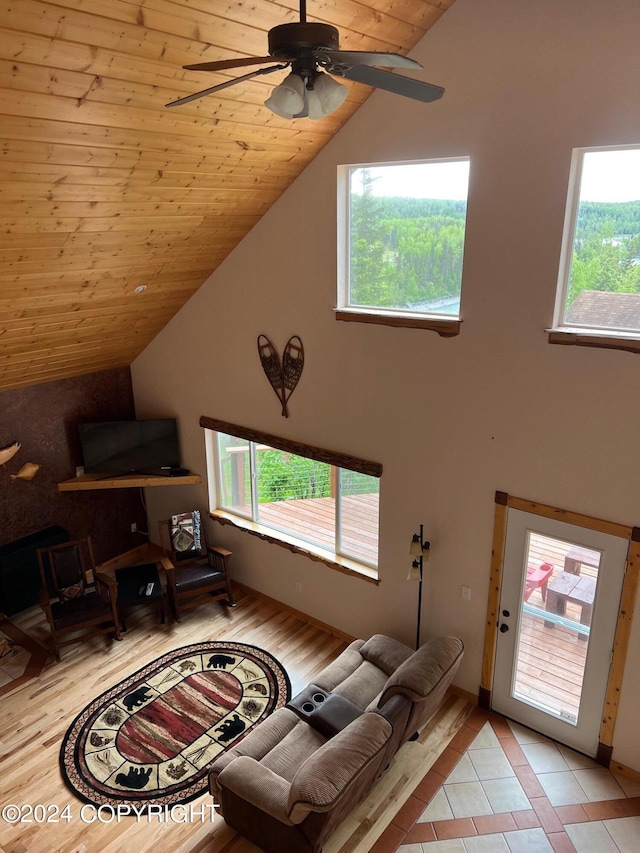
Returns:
(152, 737)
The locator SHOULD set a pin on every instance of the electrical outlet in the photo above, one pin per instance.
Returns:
(298, 586)
(466, 593)
(134, 527)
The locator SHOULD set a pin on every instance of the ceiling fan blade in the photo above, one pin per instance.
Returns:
(347, 58)
(395, 83)
(188, 98)
(224, 64)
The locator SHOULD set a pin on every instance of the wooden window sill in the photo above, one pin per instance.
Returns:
(591, 338)
(298, 546)
(445, 328)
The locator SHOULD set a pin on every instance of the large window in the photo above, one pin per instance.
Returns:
(599, 282)
(301, 498)
(401, 239)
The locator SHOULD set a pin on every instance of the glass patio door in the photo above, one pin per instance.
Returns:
(559, 604)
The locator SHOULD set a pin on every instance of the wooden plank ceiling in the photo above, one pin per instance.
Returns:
(103, 189)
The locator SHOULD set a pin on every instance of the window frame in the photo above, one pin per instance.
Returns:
(347, 312)
(343, 563)
(582, 335)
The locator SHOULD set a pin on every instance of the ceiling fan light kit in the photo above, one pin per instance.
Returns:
(287, 99)
(316, 97)
(306, 91)
(329, 95)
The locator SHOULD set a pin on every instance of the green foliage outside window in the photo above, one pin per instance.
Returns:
(407, 253)
(404, 251)
(606, 251)
(284, 476)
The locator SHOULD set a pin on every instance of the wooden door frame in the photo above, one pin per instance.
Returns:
(504, 503)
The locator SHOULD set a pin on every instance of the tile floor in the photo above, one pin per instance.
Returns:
(501, 788)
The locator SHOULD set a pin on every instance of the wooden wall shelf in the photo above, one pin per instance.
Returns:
(127, 481)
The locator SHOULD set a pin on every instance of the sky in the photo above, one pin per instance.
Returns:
(446, 179)
(611, 176)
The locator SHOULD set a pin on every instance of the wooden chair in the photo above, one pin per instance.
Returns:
(196, 571)
(77, 599)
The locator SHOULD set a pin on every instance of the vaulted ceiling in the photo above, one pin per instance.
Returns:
(103, 189)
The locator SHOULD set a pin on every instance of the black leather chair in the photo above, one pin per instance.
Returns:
(196, 571)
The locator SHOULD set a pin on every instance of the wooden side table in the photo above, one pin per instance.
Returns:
(570, 587)
(132, 585)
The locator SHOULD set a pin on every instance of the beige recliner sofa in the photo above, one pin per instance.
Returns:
(293, 779)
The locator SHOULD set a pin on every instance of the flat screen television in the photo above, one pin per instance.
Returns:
(123, 447)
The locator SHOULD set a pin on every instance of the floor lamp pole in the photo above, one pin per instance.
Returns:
(420, 552)
(419, 607)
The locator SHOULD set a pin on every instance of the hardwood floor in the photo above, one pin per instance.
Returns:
(35, 716)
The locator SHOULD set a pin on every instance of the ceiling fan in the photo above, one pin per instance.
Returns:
(309, 49)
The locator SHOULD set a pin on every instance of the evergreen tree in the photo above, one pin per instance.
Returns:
(369, 273)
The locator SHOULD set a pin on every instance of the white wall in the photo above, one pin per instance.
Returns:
(451, 420)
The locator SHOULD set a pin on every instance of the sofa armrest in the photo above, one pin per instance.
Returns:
(251, 781)
(424, 680)
(419, 676)
(396, 710)
(353, 755)
(256, 744)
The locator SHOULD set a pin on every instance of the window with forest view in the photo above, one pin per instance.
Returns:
(334, 509)
(599, 285)
(402, 243)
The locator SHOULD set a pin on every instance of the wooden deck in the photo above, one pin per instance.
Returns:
(545, 549)
(550, 667)
(551, 661)
(315, 520)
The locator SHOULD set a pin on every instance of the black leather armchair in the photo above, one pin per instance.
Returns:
(196, 571)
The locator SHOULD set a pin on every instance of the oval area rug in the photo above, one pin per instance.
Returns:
(152, 737)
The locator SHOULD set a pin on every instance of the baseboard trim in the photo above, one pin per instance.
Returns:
(623, 770)
(316, 623)
(464, 694)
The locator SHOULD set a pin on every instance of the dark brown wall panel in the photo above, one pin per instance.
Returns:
(45, 418)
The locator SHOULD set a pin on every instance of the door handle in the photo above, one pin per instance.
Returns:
(504, 628)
